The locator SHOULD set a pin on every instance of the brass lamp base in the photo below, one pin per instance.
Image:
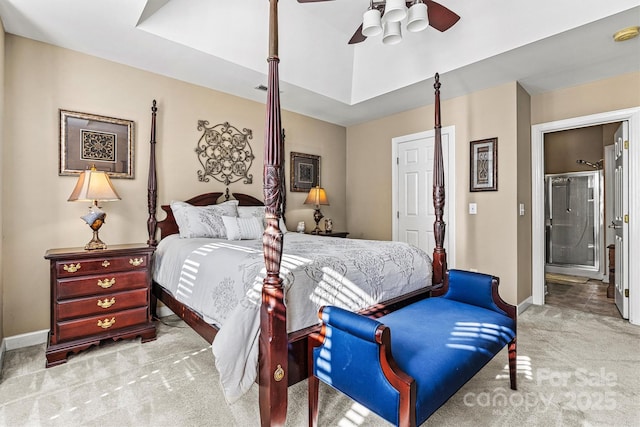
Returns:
(95, 243)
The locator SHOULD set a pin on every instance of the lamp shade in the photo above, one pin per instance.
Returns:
(371, 25)
(317, 196)
(395, 10)
(418, 18)
(94, 185)
(392, 33)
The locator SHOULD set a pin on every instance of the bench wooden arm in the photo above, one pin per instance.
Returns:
(363, 367)
(476, 289)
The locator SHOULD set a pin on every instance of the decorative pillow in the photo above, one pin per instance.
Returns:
(203, 221)
(255, 211)
(258, 212)
(238, 228)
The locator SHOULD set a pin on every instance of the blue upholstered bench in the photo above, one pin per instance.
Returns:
(403, 366)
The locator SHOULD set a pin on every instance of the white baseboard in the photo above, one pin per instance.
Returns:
(2, 350)
(26, 340)
(525, 304)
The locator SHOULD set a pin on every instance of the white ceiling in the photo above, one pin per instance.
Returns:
(543, 44)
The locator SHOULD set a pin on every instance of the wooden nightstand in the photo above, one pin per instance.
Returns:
(342, 234)
(98, 295)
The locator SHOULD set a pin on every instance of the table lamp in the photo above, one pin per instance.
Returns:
(94, 186)
(317, 196)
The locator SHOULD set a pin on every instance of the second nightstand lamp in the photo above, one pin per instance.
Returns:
(94, 186)
(317, 196)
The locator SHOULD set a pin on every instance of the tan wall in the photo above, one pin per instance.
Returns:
(484, 241)
(2, 177)
(524, 193)
(612, 94)
(40, 79)
(562, 149)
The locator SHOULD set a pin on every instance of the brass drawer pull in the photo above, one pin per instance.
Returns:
(136, 261)
(71, 268)
(106, 283)
(107, 302)
(106, 263)
(106, 323)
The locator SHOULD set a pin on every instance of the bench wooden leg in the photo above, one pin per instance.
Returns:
(313, 400)
(513, 363)
(313, 341)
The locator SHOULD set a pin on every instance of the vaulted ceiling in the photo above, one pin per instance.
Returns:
(544, 45)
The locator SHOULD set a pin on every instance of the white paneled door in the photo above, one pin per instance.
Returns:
(621, 217)
(414, 213)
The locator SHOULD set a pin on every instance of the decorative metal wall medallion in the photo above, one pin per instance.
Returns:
(224, 153)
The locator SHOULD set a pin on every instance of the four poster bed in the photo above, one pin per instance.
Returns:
(281, 337)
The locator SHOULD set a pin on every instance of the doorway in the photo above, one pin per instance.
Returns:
(632, 117)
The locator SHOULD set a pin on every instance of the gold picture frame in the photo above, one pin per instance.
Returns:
(88, 139)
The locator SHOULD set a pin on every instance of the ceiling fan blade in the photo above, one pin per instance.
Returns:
(311, 1)
(357, 37)
(440, 17)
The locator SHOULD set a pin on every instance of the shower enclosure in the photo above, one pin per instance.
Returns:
(573, 223)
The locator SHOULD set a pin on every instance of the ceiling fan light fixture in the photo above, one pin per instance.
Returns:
(392, 33)
(395, 10)
(371, 25)
(418, 18)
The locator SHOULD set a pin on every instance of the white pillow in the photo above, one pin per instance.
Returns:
(202, 221)
(247, 211)
(258, 212)
(239, 228)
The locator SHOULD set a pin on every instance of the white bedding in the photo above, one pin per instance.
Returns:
(221, 280)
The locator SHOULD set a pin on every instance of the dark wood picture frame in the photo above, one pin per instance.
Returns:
(483, 165)
(89, 139)
(304, 172)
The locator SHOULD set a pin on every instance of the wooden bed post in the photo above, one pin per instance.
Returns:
(273, 321)
(152, 185)
(439, 253)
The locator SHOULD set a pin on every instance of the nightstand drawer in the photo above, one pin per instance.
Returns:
(103, 324)
(82, 267)
(101, 285)
(97, 305)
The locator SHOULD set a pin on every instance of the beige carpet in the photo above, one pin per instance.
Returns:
(575, 369)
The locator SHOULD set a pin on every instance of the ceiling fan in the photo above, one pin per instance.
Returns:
(439, 17)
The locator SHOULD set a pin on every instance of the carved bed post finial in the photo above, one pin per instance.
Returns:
(273, 375)
(439, 253)
(152, 185)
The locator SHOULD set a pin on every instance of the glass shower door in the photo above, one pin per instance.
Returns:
(573, 219)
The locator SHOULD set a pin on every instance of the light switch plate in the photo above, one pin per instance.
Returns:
(473, 208)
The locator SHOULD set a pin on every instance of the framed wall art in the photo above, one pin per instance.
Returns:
(305, 172)
(484, 165)
(88, 139)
